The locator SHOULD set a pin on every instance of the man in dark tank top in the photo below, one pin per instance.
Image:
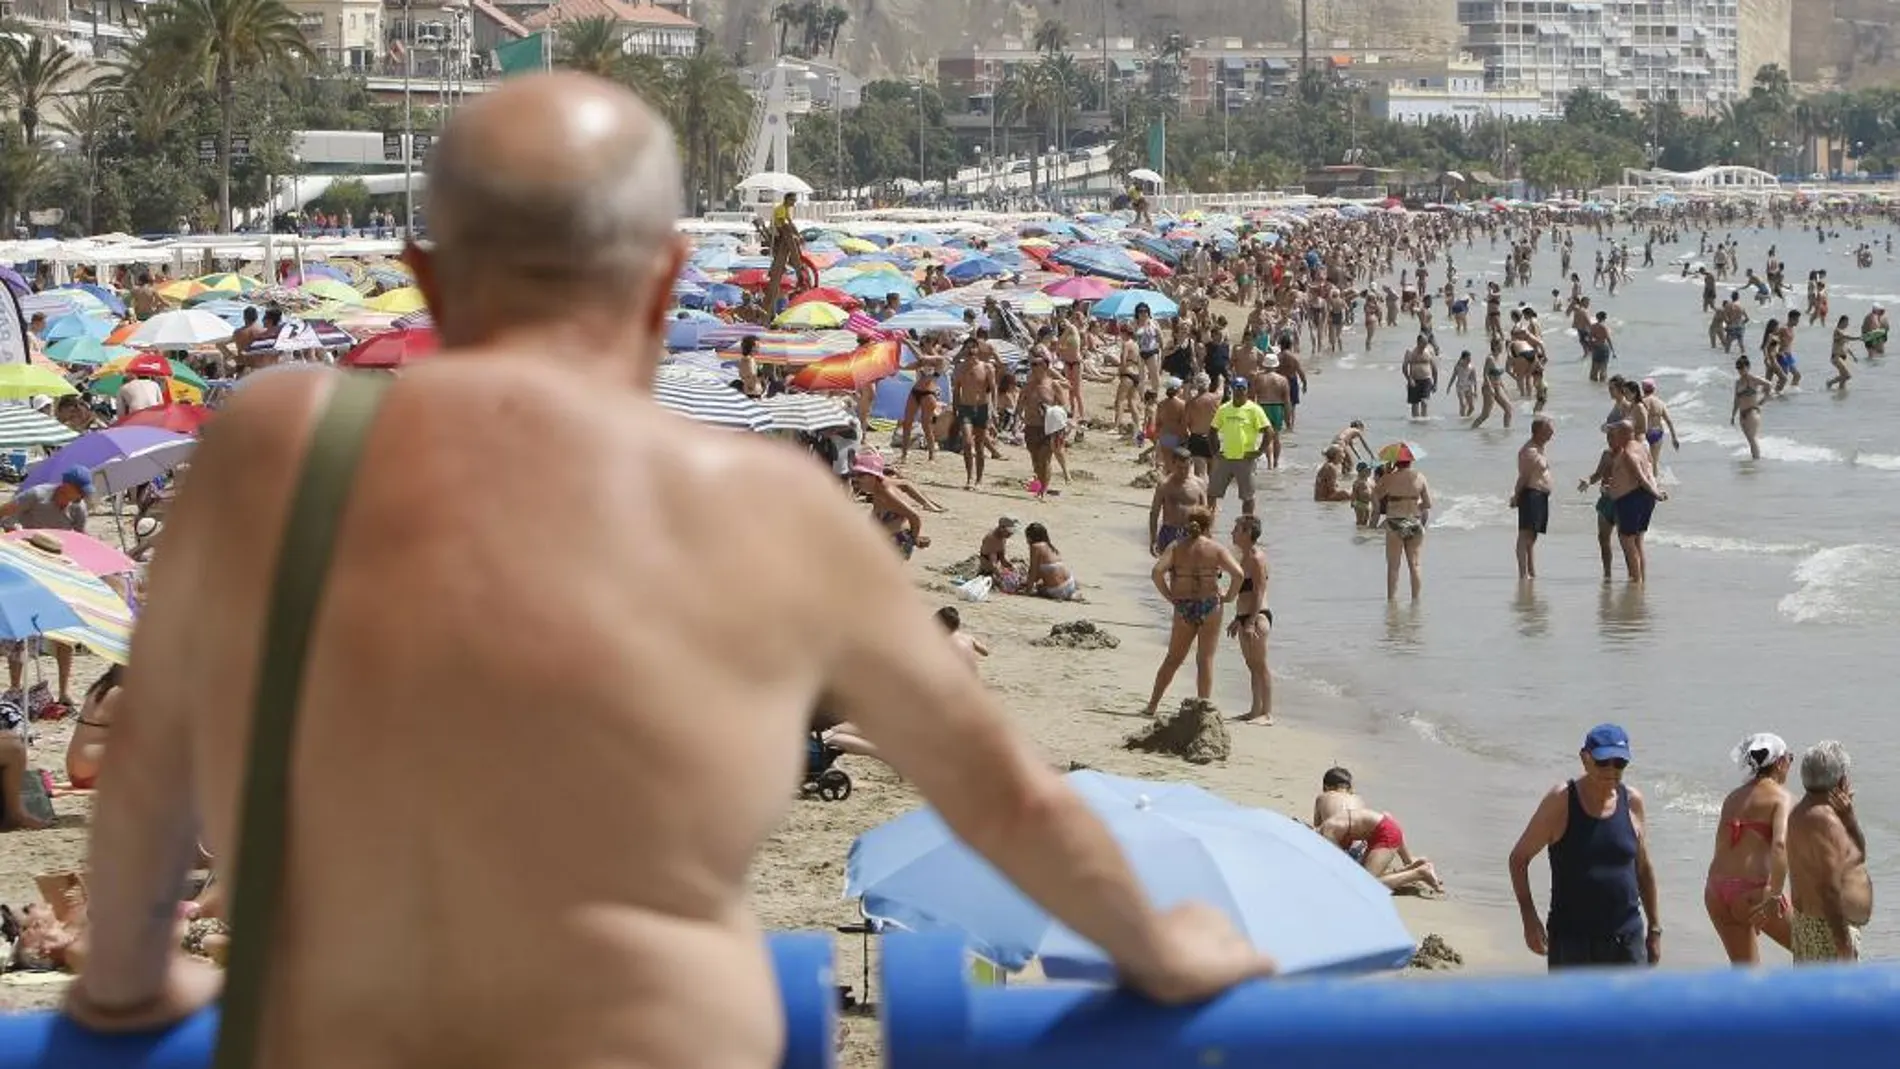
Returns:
(1602, 885)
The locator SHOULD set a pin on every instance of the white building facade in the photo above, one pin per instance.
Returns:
(1633, 51)
(1451, 90)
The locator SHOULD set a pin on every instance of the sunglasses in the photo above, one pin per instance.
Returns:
(1614, 762)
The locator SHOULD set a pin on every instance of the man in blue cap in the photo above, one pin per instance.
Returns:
(55, 506)
(1602, 885)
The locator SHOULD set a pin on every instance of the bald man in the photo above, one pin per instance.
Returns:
(455, 896)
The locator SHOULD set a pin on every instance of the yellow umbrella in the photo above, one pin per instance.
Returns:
(180, 289)
(398, 301)
(228, 282)
(18, 381)
(812, 315)
(329, 289)
(856, 245)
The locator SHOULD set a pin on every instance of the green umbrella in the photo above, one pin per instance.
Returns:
(109, 384)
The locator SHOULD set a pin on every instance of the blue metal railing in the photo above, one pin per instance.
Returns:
(1842, 1017)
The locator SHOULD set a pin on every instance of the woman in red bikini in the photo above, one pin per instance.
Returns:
(1750, 866)
(87, 750)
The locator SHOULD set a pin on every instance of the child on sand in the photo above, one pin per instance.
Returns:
(1348, 823)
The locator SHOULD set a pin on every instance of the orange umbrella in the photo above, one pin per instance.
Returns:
(120, 333)
(859, 367)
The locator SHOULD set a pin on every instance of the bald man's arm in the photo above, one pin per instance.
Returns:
(933, 721)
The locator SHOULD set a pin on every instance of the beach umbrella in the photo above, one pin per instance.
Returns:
(108, 300)
(178, 417)
(813, 315)
(82, 549)
(828, 295)
(126, 451)
(1080, 288)
(1183, 843)
(703, 361)
(924, 320)
(398, 301)
(15, 281)
(683, 290)
(682, 333)
(705, 399)
(21, 427)
(418, 318)
(28, 607)
(20, 381)
(1122, 305)
(75, 325)
(1401, 452)
(1097, 259)
(329, 289)
(863, 326)
(152, 364)
(799, 346)
(105, 620)
(849, 371)
(726, 336)
(876, 285)
(975, 267)
(807, 413)
(179, 330)
(86, 352)
(392, 349)
(229, 282)
(184, 384)
(222, 305)
(778, 182)
(179, 289)
(311, 272)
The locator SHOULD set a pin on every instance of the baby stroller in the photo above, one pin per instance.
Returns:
(822, 779)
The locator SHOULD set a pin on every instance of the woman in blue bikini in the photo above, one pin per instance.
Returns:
(1188, 575)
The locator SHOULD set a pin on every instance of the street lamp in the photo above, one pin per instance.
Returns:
(837, 130)
(918, 86)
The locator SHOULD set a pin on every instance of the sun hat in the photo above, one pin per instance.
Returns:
(868, 464)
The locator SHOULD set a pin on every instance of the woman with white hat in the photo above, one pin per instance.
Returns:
(1744, 890)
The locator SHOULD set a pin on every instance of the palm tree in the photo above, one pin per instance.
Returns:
(89, 117)
(154, 103)
(1050, 36)
(217, 42)
(591, 46)
(31, 74)
(833, 22)
(710, 109)
(785, 16)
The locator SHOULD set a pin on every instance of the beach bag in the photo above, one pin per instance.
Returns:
(977, 589)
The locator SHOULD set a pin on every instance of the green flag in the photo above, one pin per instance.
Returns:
(1158, 146)
(520, 57)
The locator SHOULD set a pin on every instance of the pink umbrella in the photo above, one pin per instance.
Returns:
(1080, 288)
(84, 550)
(864, 326)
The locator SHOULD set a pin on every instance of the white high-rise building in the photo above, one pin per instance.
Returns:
(1633, 51)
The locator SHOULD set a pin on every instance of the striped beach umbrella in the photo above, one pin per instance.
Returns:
(704, 399)
(799, 346)
(806, 412)
(105, 620)
(21, 427)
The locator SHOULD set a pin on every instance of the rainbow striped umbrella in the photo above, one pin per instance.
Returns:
(850, 371)
(105, 620)
(799, 346)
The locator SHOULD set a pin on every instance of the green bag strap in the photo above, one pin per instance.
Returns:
(302, 566)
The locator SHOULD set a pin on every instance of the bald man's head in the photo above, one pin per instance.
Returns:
(555, 183)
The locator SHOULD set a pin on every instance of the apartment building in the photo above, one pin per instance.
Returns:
(1633, 51)
(1419, 92)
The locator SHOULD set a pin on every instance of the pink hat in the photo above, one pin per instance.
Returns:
(868, 464)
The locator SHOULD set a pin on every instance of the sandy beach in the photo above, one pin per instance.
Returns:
(1076, 705)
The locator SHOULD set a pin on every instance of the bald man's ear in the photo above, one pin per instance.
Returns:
(421, 263)
(667, 261)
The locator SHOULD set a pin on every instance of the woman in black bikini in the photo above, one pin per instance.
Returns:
(1491, 388)
(1253, 621)
(923, 401)
(1188, 575)
(1750, 390)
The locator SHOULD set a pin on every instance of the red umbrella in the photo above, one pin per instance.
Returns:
(148, 364)
(859, 367)
(828, 295)
(754, 278)
(393, 349)
(179, 417)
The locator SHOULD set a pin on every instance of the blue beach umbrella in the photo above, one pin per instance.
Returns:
(105, 296)
(924, 320)
(86, 351)
(976, 267)
(1104, 260)
(28, 607)
(1292, 893)
(74, 325)
(1121, 305)
(875, 285)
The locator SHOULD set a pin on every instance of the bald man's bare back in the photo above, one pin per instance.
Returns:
(550, 709)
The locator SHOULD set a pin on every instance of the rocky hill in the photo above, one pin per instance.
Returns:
(1852, 44)
(895, 38)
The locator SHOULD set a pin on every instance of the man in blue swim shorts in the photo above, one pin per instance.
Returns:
(1634, 493)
